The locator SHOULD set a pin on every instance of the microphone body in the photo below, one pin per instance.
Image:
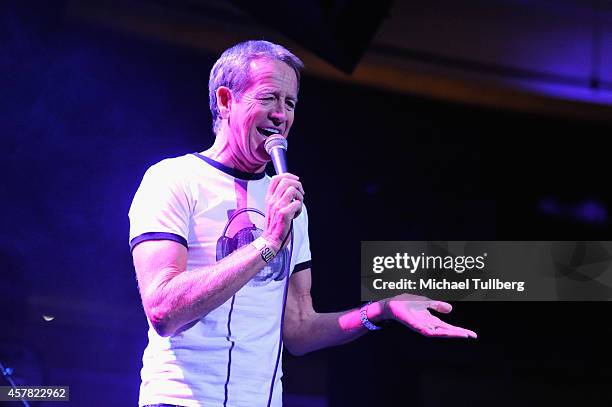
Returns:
(276, 147)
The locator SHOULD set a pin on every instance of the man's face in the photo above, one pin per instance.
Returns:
(265, 108)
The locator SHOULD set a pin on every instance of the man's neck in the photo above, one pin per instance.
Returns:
(221, 153)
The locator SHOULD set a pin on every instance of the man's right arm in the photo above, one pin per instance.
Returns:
(173, 298)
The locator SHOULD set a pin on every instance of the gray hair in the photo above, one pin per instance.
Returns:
(232, 69)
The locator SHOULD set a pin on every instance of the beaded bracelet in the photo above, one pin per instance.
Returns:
(364, 318)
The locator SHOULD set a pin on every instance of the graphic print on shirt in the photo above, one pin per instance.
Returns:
(242, 231)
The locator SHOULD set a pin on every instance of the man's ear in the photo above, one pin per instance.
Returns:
(224, 101)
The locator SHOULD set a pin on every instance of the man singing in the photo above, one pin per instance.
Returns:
(219, 247)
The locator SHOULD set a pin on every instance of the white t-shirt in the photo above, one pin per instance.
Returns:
(229, 356)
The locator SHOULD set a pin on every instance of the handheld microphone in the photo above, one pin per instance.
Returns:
(276, 147)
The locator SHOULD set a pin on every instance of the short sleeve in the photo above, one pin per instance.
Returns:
(301, 251)
(161, 207)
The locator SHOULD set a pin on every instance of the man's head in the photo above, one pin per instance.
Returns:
(253, 91)
(232, 69)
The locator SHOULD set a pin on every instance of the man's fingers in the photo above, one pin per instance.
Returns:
(445, 332)
(289, 205)
(440, 306)
(280, 190)
(444, 329)
(289, 195)
(292, 210)
(437, 322)
(439, 328)
(287, 183)
(283, 203)
(276, 180)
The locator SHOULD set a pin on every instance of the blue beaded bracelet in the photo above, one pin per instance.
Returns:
(364, 318)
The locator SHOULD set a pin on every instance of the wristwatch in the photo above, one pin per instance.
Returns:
(264, 247)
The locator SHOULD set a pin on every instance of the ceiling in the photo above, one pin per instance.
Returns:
(549, 57)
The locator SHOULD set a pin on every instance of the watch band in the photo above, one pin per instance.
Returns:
(264, 247)
(363, 312)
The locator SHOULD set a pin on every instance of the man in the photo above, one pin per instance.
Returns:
(216, 318)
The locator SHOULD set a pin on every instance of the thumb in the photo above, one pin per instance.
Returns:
(443, 307)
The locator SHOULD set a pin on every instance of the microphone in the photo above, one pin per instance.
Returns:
(276, 147)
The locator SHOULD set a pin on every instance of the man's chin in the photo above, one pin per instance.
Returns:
(262, 155)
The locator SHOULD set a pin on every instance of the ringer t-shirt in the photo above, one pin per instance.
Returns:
(227, 358)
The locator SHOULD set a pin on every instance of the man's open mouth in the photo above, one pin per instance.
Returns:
(268, 131)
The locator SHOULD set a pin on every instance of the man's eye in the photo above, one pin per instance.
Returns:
(291, 105)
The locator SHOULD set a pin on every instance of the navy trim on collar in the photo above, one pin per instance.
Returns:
(247, 176)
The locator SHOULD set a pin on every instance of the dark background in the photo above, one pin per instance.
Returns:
(84, 112)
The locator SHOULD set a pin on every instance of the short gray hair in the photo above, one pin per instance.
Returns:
(232, 69)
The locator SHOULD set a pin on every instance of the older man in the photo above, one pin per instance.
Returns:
(219, 248)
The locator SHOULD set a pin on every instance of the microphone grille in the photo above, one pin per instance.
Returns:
(275, 141)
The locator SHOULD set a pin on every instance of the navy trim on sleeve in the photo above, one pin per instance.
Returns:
(157, 236)
(302, 266)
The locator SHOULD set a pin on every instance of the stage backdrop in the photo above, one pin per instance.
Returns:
(85, 111)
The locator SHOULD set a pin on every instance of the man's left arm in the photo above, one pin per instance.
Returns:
(306, 330)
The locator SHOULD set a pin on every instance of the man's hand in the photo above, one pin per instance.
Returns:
(413, 311)
(283, 203)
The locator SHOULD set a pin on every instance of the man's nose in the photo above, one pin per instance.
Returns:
(278, 115)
